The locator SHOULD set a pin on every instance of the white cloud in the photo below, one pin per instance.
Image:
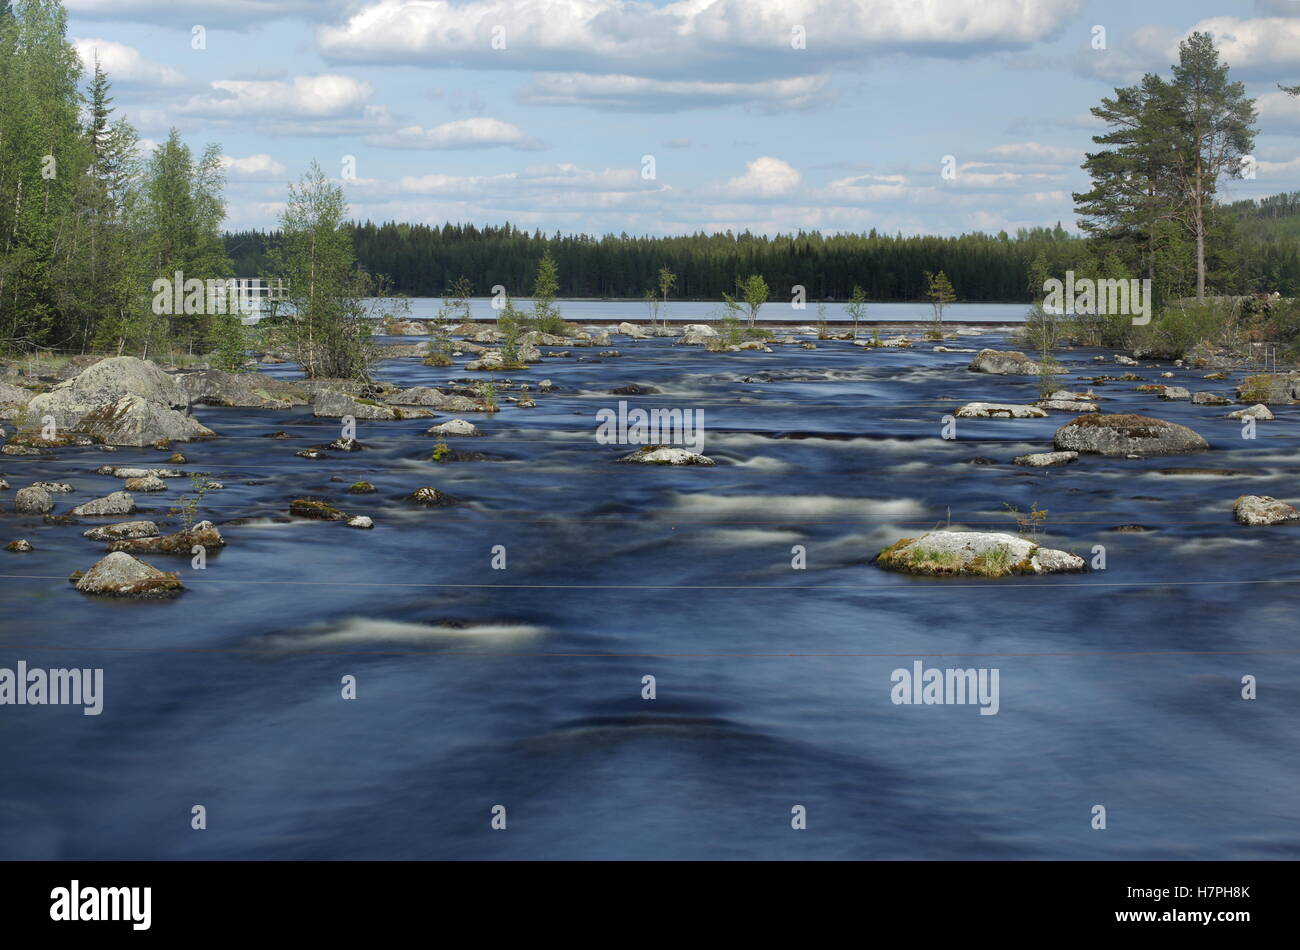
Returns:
(228, 14)
(465, 133)
(314, 97)
(716, 39)
(253, 166)
(765, 177)
(1038, 153)
(124, 64)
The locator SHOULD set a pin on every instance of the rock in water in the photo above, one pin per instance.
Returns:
(1127, 435)
(214, 387)
(204, 534)
(977, 553)
(121, 575)
(1258, 411)
(146, 483)
(102, 384)
(1263, 510)
(132, 420)
(454, 427)
(1045, 459)
(335, 405)
(118, 503)
(1004, 363)
(697, 334)
(123, 529)
(666, 455)
(997, 410)
(33, 501)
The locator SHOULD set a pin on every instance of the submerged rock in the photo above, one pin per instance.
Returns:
(1127, 435)
(118, 574)
(430, 498)
(315, 510)
(1045, 459)
(977, 553)
(997, 410)
(666, 455)
(1004, 363)
(1263, 510)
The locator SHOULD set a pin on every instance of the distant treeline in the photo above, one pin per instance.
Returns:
(422, 261)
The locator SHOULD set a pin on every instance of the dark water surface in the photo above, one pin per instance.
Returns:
(522, 687)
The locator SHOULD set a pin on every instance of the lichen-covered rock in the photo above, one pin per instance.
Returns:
(697, 334)
(1263, 510)
(204, 534)
(1066, 405)
(436, 399)
(118, 574)
(1273, 389)
(1258, 411)
(336, 405)
(1004, 363)
(454, 427)
(214, 387)
(33, 501)
(54, 488)
(117, 503)
(431, 498)
(1175, 392)
(666, 455)
(146, 483)
(1046, 459)
(123, 529)
(1210, 399)
(315, 510)
(977, 553)
(1127, 435)
(133, 420)
(996, 410)
(102, 384)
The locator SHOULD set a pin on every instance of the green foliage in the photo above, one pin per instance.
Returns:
(1030, 523)
(940, 293)
(546, 286)
(857, 307)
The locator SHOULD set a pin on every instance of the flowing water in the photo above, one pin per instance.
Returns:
(523, 687)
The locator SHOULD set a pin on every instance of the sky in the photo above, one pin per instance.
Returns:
(613, 116)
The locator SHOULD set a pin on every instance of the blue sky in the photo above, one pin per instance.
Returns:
(558, 130)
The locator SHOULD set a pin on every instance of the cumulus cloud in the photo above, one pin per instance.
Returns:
(253, 166)
(313, 97)
(765, 177)
(124, 64)
(465, 133)
(715, 40)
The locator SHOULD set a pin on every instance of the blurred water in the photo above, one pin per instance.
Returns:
(773, 684)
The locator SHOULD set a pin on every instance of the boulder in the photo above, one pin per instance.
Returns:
(697, 334)
(454, 427)
(146, 483)
(1045, 459)
(33, 501)
(54, 488)
(117, 503)
(335, 405)
(1258, 411)
(203, 534)
(118, 574)
(996, 410)
(123, 529)
(360, 521)
(1004, 363)
(102, 384)
(1273, 389)
(1127, 435)
(632, 330)
(436, 399)
(133, 420)
(1066, 405)
(1175, 392)
(978, 553)
(1210, 399)
(666, 455)
(1263, 510)
(213, 387)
